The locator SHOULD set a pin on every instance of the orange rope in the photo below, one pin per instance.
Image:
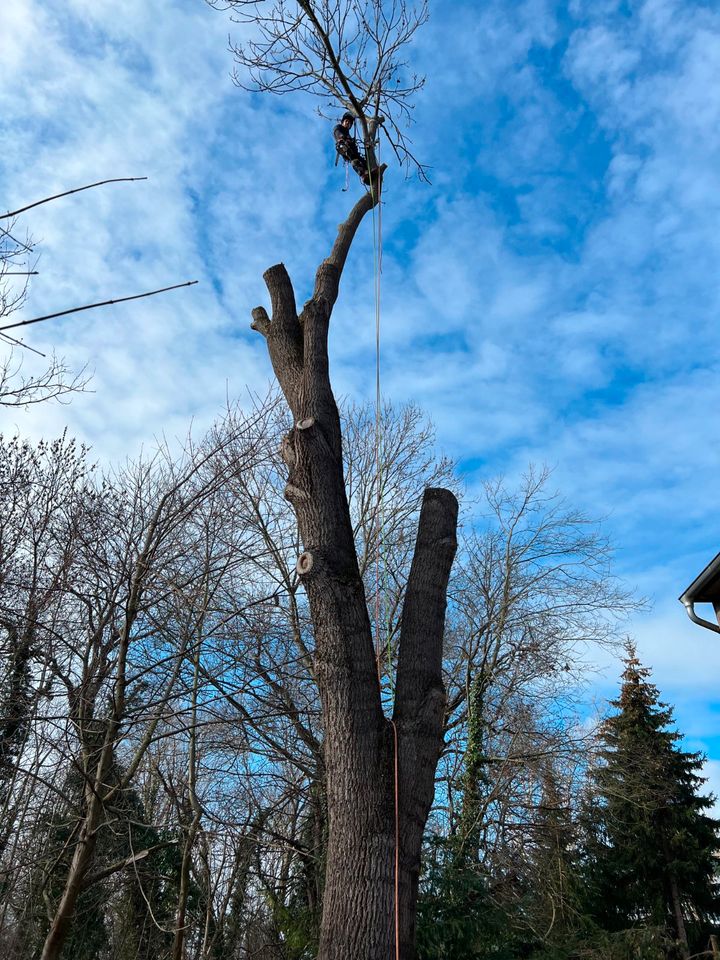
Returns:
(397, 845)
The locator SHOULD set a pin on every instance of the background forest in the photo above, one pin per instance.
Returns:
(155, 613)
(164, 767)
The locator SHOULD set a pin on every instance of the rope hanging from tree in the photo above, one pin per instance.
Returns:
(380, 525)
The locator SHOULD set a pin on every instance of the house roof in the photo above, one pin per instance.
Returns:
(705, 588)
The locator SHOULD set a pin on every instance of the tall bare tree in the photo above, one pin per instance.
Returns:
(533, 595)
(359, 743)
(346, 53)
(350, 53)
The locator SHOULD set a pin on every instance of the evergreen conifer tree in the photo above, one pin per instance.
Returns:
(652, 849)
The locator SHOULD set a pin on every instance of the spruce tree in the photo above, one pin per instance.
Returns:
(652, 849)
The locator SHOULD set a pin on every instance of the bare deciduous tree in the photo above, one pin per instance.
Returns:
(234, 778)
(51, 381)
(348, 53)
(533, 594)
(92, 577)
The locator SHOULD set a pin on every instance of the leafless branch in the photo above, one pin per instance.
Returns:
(67, 193)
(348, 53)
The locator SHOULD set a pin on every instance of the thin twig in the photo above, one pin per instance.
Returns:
(19, 343)
(92, 306)
(89, 186)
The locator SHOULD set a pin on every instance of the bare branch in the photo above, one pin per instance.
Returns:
(93, 306)
(350, 55)
(67, 193)
(53, 383)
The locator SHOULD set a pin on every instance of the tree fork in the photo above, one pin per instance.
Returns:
(358, 919)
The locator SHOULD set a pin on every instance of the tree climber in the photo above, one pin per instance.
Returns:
(347, 147)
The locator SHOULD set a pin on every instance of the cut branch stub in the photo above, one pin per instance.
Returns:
(282, 301)
(294, 494)
(287, 451)
(304, 563)
(283, 333)
(306, 423)
(260, 321)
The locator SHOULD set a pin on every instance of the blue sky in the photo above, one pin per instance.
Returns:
(551, 297)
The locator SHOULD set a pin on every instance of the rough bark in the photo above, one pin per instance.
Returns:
(420, 694)
(358, 921)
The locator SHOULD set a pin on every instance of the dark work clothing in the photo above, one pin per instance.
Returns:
(345, 143)
(347, 148)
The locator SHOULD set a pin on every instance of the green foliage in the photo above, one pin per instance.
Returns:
(608, 886)
(298, 920)
(118, 915)
(298, 930)
(651, 849)
(456, 918)
(15, 700)
(475, 783)
(88, 933)
(138, 934)
(643, 943)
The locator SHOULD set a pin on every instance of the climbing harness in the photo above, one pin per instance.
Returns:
(346, 146)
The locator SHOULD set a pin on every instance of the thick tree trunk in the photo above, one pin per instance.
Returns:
(420, 694)
(358, 921)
